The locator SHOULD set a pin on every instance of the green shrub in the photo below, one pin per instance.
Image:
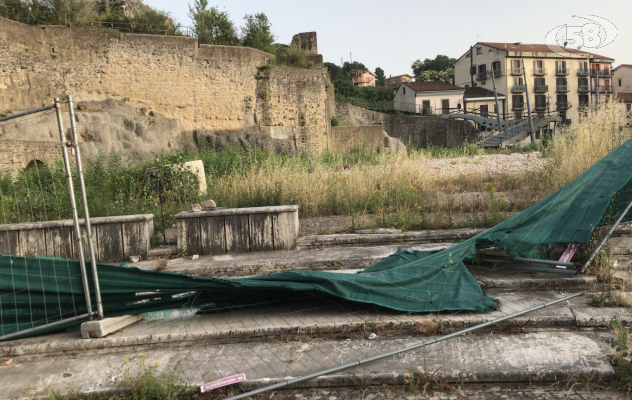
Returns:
(336, 120)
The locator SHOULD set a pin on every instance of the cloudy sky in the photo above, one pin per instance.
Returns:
(392, 35)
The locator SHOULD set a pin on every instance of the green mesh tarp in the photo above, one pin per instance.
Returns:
(35, 291)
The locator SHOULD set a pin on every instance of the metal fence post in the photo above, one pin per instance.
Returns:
(86, 214)
(73, 205)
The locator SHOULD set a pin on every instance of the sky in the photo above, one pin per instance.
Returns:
(392, 35)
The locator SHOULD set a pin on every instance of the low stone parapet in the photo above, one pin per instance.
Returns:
(236, 230)
(115, 239)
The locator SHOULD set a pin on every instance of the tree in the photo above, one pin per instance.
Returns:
(436, 76)
(65, 12)
(150, 21)
(212, 26)
(348, 67)
(380, 78)
(440, 63)
(256, 33)
(335, 72)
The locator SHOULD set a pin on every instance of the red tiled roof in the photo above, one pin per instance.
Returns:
(399, 76)
(536, 48)
(478, 92)
(429, 86)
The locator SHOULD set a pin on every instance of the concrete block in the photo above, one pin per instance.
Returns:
(99, 329)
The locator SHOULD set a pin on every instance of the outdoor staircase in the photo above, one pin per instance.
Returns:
(518, 129)
(509, 128)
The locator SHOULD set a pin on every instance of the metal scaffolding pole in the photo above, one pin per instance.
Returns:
(73, 206)
(86, 214)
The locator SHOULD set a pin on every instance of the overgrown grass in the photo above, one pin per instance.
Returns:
(400, 189)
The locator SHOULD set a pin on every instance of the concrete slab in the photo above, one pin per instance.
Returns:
(104, 327)
(374, 239)
(534, 357)
(247, 264)
(320, 318)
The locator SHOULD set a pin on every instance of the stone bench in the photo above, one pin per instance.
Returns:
(115, 239)
(235, 230)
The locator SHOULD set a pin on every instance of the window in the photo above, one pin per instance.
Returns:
(560, 67)
(445, 106)
(479, 50)
(467, 86)
(475, 84)
(539, 81)
(472, 70)
(426, 104)
(540, 101)
(518, 101)
(484, 109)
(496, 68)
(404, 87)
(562, 101)
(518, 81)
(583, 100)
(619, 82)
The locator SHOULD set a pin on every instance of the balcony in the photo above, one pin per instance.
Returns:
(603, 89)
(518, 89)
(540, 106)
(601, 72)
(541, 88)
(539, 71)
(583, 72)
(561, 71)
(481, 76)
(517, 107)
(562, 88)
(583, 89)
(497, 73)
(516, 71)
(563, 105)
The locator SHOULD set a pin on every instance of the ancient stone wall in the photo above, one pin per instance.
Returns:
(298, 98)
(411, 130)
(202, 87)
(17, 155)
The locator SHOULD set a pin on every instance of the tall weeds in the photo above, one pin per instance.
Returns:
(328, 184)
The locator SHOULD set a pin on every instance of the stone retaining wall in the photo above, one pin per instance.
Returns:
(237, 230)
(412, 130)
(115, 239)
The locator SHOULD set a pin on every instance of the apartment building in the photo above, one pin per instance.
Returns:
(394, 81)
(555, 83)
(362, 78)
(623, 85)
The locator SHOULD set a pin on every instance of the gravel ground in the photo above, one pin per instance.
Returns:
(512, 163)
(468, 392)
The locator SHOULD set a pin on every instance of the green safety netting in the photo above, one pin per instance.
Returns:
(36, 291)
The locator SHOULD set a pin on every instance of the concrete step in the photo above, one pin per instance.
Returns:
(544, 357)
(373, 239)
(327, 318)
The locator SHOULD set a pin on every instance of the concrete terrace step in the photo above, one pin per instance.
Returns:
(248, 264)
(524, 358)
(323, 319)
(352, 260)
(372, 239)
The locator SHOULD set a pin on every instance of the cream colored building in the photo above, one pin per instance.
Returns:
(436, 97)
(555, 83)
(623, 85)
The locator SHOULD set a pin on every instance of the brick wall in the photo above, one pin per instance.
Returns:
(16, 155)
